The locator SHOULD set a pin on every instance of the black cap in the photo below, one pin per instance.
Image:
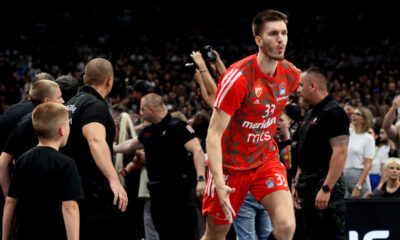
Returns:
(141, 86)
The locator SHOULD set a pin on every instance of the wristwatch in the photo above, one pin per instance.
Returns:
(200, 178)
(326, 189)
(359, 187)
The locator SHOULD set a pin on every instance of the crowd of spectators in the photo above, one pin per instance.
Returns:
(369, 80)
(365, 71)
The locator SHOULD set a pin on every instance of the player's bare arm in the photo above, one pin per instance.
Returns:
(218, 123)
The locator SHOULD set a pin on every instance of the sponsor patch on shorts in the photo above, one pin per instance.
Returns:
(270, 182)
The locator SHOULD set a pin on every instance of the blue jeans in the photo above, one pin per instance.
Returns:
(252, 220)
(374, 179)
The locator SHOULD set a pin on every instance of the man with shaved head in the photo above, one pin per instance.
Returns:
(166, 144)
(90, 145)
(319, 182)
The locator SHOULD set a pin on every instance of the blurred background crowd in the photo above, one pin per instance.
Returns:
(152, 41)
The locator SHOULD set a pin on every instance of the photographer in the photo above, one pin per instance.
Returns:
(203, 76)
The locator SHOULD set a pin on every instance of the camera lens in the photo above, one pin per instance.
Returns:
(208, 52)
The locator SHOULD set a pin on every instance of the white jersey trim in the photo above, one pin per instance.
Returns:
(226, 84)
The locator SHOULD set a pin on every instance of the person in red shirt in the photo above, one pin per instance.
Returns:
(243, 156)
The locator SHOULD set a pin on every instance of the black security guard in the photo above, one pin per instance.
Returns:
(322, 155)
(171, 175)
(166, 156)
(167, 142)
(90, 145)
(88, 106)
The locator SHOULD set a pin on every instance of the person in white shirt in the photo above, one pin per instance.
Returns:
(381, 155)
(361, 150)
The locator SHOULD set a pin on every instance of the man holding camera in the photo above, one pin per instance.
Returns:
(203, 76)
(243, 155)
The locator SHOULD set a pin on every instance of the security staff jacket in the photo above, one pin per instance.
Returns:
(324, 121)
(166, 156)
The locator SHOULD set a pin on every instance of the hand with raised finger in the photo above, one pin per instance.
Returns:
(198, 60)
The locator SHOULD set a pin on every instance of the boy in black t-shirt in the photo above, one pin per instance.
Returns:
(45, 185)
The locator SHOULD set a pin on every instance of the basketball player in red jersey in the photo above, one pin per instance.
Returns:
(243, 155)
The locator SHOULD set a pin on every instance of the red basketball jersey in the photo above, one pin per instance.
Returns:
(254, 101)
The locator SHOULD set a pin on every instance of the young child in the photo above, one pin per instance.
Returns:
(45, 186)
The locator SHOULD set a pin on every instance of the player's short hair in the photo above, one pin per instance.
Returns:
(42, 89)
(47, 118)
(264, 17)
(97, 71)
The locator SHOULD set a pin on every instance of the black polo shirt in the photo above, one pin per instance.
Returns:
(87, 107)
(22, 138)
(324, 121)
(166, 156)
(10, 119)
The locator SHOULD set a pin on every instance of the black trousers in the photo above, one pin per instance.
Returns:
(100, 219)
(173, 210)
(327, 224)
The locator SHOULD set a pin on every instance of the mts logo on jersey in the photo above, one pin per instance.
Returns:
(258, 137)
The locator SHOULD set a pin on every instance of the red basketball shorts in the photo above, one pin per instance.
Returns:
(261, 181)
